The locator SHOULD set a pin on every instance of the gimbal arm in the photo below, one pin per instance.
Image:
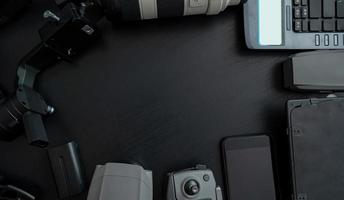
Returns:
(63, 36)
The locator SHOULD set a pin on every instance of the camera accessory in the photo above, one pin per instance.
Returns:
(315, 71)
(67, 169)
(315, 131)
(10, 9)
(121, 181)
(194, 183)
(26, 106)
(249, 168)
(63, 36)
(151, 9)
(294, 24)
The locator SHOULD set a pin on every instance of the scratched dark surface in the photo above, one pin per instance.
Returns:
(163, 93)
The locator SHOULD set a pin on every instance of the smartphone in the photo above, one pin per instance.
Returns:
(249, 168)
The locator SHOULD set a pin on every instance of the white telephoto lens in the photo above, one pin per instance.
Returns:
(151, 9)
(209, 7)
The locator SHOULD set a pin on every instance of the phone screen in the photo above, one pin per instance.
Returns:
(249, 168)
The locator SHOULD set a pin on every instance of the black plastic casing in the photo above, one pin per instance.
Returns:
(67, 169)
(321, 71)
(315, 130)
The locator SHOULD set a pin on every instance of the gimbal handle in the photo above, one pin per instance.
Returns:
(63, 36)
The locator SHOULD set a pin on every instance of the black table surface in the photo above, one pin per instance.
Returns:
(163, 93)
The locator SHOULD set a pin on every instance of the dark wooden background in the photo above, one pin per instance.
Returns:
(163, 93)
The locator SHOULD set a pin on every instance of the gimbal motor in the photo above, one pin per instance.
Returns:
(25, 107)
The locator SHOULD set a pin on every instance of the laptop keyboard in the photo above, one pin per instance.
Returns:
(318, 15)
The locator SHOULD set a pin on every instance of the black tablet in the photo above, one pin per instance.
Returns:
(316, 137)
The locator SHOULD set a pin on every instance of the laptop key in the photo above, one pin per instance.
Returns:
(327, 40)
(335, 40)
(297, 13)
(340, 25)
(304, 12)
(315, 25)
(329, 8)
(304, 2)
(297, 25)
(329, 25)
(304, 26)
(297, 2)
(340, 8)
(315, 8)
(317, 40)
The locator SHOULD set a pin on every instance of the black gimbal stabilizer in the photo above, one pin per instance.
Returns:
(67, 33)
(64, 35)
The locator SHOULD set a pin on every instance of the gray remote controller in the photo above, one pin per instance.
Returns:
(195, 183)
